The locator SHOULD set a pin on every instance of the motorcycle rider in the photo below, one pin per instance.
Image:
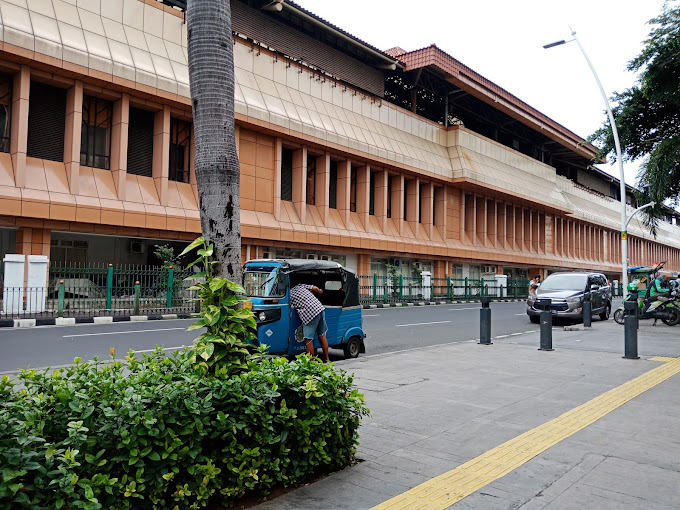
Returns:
(658, 292)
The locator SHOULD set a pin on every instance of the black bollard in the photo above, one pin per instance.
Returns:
(587, 310)
(630, 330)
(546, 325)
(485, 321)
(635, 298)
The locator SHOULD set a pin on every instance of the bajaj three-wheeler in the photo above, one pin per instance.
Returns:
(268, 283)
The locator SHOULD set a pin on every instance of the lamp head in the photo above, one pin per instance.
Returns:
(553, 44)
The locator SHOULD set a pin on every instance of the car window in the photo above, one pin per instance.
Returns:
(603, 281)
(564, 282)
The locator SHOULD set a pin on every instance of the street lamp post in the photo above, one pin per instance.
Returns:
(624, 220)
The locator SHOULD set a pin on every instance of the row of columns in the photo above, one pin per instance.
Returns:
(73, 124)
(415, 191)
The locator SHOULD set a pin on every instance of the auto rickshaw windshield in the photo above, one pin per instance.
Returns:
(263, 283)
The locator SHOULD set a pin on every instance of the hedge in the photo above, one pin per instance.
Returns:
(152, 432)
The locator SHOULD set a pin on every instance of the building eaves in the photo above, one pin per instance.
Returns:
(334, 28)
(464, 77)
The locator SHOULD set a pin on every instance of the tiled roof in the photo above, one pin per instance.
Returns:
(476, 84)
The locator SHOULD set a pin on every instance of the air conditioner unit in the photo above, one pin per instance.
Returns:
(311, 256)
(488, 269)
(266, 255)
(137, 247)
(324, 257)
(395, 262)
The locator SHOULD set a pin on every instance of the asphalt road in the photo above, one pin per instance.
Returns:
(387, 329)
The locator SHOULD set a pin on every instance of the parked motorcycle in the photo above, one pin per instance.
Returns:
(668, 312)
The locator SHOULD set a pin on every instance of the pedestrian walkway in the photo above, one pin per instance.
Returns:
(508, 426)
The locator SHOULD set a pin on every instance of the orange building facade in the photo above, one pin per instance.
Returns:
(349, 153)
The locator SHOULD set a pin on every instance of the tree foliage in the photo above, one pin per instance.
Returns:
(648, 114)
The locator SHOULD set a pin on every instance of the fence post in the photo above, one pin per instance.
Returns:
(467, 288)
(401, 287)
(386, 288)
(486, 289)
(375, 287)
(109, 286)
(135, 309)
(170, 280)
(60, 299)
(448, 287)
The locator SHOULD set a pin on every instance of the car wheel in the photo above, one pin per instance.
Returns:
(352, 347)
(619, 316)
(607, 310)
(535, 319)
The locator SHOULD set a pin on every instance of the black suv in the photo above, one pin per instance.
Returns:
(566, 291)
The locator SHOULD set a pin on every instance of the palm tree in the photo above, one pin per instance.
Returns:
(211, 78)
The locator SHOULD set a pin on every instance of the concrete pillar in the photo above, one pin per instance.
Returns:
(21, 90)
(119, 143)
(73, 127)
(363, 193)
(439, 220)
(323, 179)
(344, 186)
(380, 195)
(278, 151)
(427, 208)
(161, 153)
(398, 193)
(300, 183)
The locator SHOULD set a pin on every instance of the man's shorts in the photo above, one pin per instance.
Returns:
(316, 325)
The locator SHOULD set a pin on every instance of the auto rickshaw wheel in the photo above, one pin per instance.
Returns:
(352, 347)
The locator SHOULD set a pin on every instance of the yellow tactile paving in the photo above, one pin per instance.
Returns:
(446, 489)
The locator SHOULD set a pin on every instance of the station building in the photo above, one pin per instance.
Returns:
(347, 152)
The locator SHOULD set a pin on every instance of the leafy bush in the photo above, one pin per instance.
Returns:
(154, 433)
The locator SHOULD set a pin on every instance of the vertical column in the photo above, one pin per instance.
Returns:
(413, 203)
(322, 191)
(344, 184)
(119, 143)
(33, 241)
(300, 183)
(161, 153)
(380, 194)
(398, 183)
(363, 193)
(427, 208)
(74, 123)
(192, 166)
(278, 151)
(21, 90)
(439, 198)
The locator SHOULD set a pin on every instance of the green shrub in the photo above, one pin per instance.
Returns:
(155, 433)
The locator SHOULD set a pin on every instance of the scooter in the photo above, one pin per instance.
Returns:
(668, 312)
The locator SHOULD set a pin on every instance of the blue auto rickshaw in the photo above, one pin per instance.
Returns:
(268, 282)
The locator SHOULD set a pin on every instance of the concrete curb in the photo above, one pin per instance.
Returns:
(434, 303)
(71, 321)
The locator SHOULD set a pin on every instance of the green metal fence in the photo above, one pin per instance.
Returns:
(377, 289)
(103, 289)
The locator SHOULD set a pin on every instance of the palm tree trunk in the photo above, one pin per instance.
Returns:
(211, 77)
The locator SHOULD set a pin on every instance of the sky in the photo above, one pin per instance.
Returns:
(503, 41)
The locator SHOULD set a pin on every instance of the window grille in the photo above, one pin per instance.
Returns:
(311, 179)
(46, 121)
(371, 200)
(353, 190)
(180, 150)
(389, 196)
(95, 133)
(287, 174)
(140, 143)
(5, 111)
(333, 186)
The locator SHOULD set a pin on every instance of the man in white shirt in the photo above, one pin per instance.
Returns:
(312, 315)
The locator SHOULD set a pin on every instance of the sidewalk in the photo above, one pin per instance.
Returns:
(435, 409)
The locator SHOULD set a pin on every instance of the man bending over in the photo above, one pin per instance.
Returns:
(312, 315)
